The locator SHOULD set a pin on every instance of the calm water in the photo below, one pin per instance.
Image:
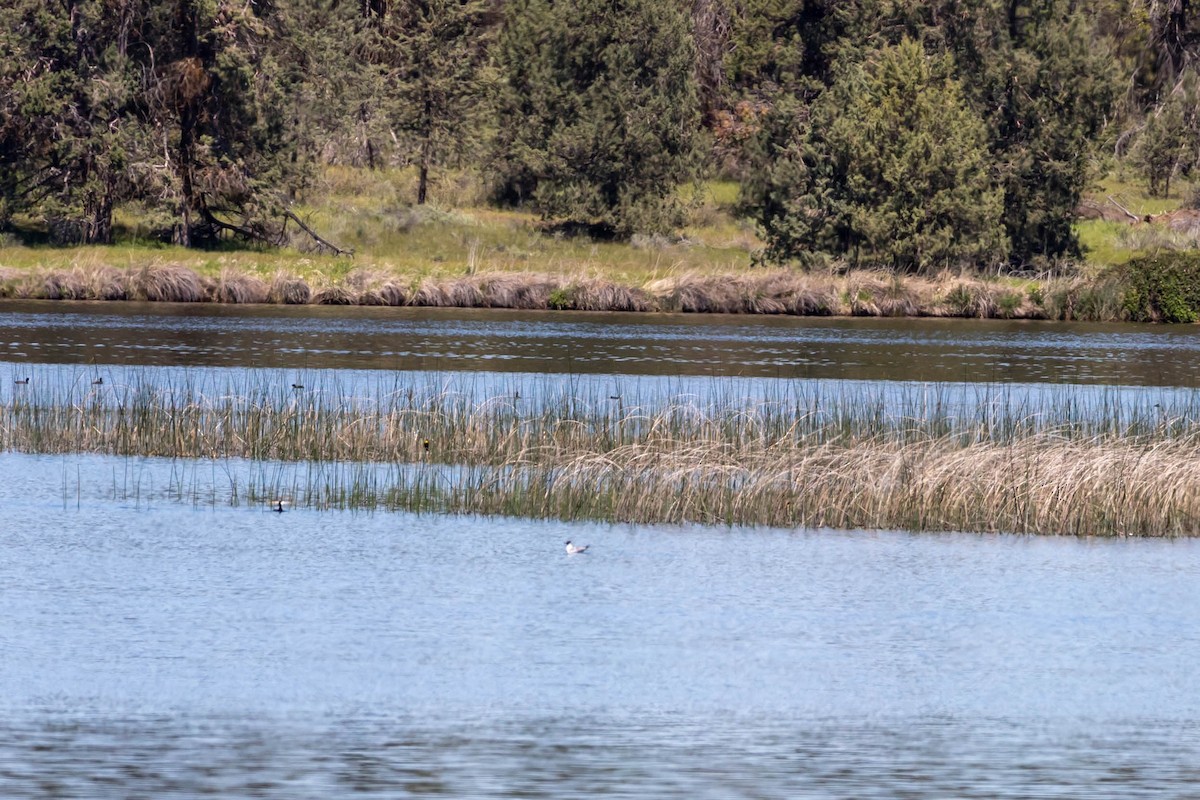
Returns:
(158, 648)
(624, 344)
(156, 642)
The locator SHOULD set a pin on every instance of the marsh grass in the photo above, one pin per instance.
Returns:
(1066, 461)
(855, 293)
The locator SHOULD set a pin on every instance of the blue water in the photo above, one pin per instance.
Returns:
(159, 647)
(156, 641)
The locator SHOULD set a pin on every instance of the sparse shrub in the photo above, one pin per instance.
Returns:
(1036, 296)
(1008, 303)
(960, 300)
(560, 299)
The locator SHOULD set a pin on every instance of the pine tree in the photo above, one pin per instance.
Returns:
(1170, 142)
(66, 86)
(218, 97)
(598, 119)
(890, 168)
(429, 59)
(1045, 83)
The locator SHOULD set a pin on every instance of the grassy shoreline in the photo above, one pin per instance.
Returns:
(1062, 464)
(854, 293)
(468, 254)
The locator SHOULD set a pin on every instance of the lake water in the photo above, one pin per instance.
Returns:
(327, 337)
(152, 647)
(160, 648)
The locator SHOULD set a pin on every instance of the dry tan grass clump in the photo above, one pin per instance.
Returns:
(754, 293)
(1037, 486)
(288, 289)
(60, 286)
(596, 294)
(517, 290)
(232, 286)
(107, 283)
(167, 283)
(454, 293)
(334, 295)
(376, 288)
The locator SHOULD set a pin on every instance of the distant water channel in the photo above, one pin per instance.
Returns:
(153, 644)
(452, 340)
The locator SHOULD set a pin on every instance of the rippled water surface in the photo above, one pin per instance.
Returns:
(153, 647)
(156, 641)
(578, 343)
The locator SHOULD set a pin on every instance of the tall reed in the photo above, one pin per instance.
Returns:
(920, 457)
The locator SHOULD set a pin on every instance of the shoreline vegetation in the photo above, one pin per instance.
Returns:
(862, 293)
(469, 255)
(1067, 462)
(1154, 290)
(865, 293)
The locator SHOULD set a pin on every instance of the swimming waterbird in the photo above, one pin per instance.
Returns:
(278, 509)
(572, 549)
(23, 382)
(98, 382)
(297, 385)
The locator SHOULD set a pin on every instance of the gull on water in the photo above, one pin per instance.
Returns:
(572, 549)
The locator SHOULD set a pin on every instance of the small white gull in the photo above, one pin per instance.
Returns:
(572, 549)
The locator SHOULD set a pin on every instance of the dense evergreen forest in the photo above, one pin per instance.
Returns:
(913, 134)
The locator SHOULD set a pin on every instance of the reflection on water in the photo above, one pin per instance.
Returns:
(581, 343)
(159, 648)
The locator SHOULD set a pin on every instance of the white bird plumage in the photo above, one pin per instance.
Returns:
(572, 549)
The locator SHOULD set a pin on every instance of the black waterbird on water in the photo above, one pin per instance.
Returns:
(278, 509)
(22, 382)
(297, 385)
(98, 382)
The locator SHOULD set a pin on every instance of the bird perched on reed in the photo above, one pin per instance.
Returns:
(425, 444)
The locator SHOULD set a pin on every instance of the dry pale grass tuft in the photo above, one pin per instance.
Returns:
(700, 294)
(517, 290)
(376, 288)
(233, 286)
(62, 286)
(776, 292)
(168, 283)
(429, 293)
(287, 289)
(334, 295)
(107, 283)
(596, 294)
